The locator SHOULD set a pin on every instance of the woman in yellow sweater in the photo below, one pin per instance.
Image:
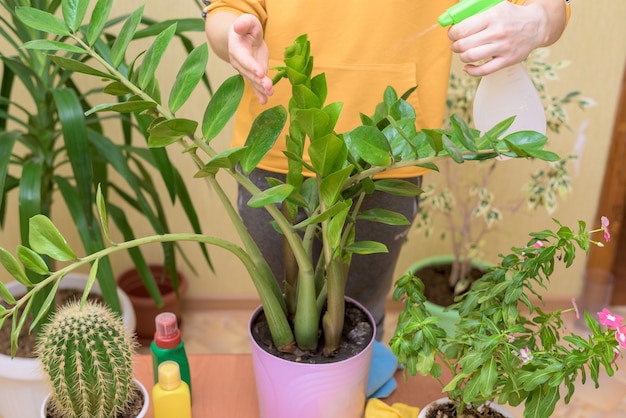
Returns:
(363, 47)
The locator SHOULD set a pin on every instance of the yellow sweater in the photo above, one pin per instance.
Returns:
(363, 47)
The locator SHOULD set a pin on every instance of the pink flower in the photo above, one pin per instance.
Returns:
(612, 321)
(527, 356)
(539, 244)
(575, 305)
(620, 336)
(604, 222)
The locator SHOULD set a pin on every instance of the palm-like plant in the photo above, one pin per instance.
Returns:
(49, 149)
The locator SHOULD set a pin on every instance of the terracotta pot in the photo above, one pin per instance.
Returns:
(287, 389)
(23, 385)
(425, 410)
(142, 414)
(145, 307)
(448, 318)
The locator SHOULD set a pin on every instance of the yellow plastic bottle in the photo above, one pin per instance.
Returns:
(170, 396)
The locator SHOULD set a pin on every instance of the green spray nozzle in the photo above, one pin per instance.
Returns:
(463, 10)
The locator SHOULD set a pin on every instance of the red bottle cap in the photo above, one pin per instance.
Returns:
(167, 334)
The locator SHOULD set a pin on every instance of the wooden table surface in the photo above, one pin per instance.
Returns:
(223, 386)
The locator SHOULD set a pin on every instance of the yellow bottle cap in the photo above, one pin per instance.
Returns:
(169, 375)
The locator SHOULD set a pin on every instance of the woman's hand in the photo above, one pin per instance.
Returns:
(505, 34)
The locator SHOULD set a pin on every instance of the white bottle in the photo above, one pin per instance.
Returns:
(505, 93)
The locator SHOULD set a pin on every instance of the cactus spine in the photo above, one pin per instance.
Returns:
(87, 354)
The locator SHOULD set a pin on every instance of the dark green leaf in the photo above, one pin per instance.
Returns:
(328, 154)
(263, 134)
(188, 77)
(126, 107)
(371, 145)
(7, 141)
(270, 196)
(45, 306)
(222, 106)
(383, 216)
(45, 238)
(398, 187)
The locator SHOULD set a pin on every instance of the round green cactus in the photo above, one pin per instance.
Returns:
(87, 354)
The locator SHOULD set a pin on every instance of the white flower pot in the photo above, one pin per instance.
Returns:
(23, 385)
(426, 409)
(142, 413)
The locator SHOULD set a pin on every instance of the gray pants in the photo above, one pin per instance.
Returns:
(371, 276)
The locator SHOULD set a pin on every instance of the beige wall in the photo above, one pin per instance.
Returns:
(595, 43)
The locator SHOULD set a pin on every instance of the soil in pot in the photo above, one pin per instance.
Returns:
(356, 335)
(446, 410)
(26, 342)
(134, 408)
(436, 287)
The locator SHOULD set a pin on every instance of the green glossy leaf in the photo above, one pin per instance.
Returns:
(126, 107)
(153, 56)
(328, 154)
(383, 216)
(327, 214)
(74, 12)
(41, 20)
(371, 145)
(46, 45)
(222, 106)
(367, 247)
(45, 238)
(102, 213)
(398, 187)
(452, 150)
(463, 133)
(77, 66)
(331, 185)
(262, 136)
(335, 228)
(174, 127)
(5, 295)
(32, 261)
(314, 122)
(225, 159)
(116, 88)
(13, 268)
(488, 377)
(93, 271)
(270, 196)
(99, 17)
(126, 34)
(45, 306)
(188, 77)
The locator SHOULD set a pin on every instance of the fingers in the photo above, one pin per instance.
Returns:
(498, 37)
(249, 55)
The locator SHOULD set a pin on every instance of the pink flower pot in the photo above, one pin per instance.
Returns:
(288, 389)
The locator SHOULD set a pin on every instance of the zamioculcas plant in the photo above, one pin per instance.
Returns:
(342, 165)
(88, 355)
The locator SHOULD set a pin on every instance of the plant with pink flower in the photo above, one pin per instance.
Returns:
(506, 348)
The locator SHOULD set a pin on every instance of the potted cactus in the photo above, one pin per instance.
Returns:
(87, 354)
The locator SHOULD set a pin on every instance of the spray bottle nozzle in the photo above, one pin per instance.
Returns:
(463, 10)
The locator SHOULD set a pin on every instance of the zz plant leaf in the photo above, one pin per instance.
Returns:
(45, 238)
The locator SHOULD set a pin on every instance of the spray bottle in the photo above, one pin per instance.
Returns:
(505, 93)
(168, 345)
